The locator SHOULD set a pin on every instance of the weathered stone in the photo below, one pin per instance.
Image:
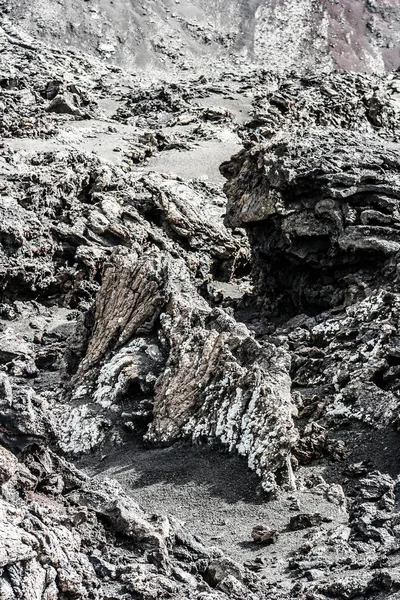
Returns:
(303, 197)
(264, 535)
(8, 465)
(130, 306)
(65, 104)
(303, 521)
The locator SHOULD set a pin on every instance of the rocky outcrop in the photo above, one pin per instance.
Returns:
(321, 209)
(134, 289)
(138, 264)
(221, 386)
(196, 374)
(317, 189)
(136, 327)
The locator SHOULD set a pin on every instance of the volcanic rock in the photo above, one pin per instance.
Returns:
(263, 535)
(209, 357)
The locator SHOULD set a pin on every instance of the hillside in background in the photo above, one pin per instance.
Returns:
(360, 35)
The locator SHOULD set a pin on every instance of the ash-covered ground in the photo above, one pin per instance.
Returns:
(199, 300)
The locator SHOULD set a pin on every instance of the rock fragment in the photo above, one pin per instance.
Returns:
(303, 521)
(264, 535)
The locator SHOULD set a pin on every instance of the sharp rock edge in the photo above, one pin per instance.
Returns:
(143, 304)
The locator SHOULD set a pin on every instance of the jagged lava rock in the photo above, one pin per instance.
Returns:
(318, 207)
(204, 375)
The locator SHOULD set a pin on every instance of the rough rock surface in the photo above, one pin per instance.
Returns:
(230, 358)
(67, 536)
(345, 100)
(350, 34)
(197, 373)
(325, 204)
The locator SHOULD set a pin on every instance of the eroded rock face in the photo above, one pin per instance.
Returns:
(134, 289)
(320, 207)
(220, 385)
(128, 317)
(198, 373)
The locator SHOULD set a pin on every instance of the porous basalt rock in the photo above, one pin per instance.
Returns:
(319, 206)
(205, 376)
(366, 104)
(128, 318)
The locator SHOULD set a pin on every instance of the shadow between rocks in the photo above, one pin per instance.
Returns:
(224, 476)
(379, 447)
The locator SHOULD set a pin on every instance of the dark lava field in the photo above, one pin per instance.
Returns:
(199, 300)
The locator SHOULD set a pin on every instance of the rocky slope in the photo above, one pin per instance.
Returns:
(155, 326)
(158, 35)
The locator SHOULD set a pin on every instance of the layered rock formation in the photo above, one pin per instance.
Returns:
(198, 373)
(327, 204)
(137, 306)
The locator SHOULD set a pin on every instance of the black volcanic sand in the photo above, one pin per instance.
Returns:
(216, 495)
(220, 499)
